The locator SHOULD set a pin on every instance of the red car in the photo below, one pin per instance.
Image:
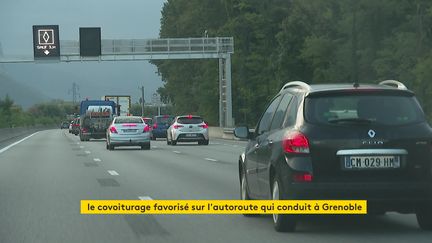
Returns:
(148, 121)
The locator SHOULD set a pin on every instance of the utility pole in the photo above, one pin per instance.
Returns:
(157, 102)
(143, 101)
(74, 92)
(1, 50)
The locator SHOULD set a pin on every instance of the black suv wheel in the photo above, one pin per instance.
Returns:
(282, 222)
(244, 194)
(424, 217)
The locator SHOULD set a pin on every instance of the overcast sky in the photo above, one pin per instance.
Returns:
(120, 19)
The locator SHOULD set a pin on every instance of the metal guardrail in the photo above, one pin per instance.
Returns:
(7, 134)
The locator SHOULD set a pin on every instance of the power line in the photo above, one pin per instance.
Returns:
(75, 92)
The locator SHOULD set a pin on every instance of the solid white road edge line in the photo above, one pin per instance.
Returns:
(17, 142)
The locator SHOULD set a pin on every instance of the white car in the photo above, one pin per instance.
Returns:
(128, 131)
(188, 128)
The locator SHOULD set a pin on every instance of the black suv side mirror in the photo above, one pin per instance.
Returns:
(242, 132)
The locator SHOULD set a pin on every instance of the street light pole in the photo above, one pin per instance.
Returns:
(142, 99)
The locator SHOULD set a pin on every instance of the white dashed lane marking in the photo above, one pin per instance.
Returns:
(82, 147)
(97, 160)
(113, 173)
(145, 198)
(87, 152)
(177, 152)
(210, 159)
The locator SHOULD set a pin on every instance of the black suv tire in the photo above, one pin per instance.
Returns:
(244, 194)
(145, 147)
(282, 222)
(424, 217)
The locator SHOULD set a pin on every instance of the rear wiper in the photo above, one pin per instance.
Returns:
(352, 120)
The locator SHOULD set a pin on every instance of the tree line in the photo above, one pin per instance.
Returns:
(316, 41)
(49, 113)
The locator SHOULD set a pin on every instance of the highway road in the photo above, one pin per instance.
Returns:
(44, 177)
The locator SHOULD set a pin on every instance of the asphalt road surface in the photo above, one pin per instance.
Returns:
(44, 177)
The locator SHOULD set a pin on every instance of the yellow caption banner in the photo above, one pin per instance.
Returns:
(223, 206)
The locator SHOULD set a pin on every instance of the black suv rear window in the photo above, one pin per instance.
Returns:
(164, 120)
(363, 108)
(192, 120)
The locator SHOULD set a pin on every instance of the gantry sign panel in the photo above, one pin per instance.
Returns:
(46, 42)
(90, 41)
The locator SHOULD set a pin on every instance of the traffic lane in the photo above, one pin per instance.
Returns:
(219, 152)
(42, 181)
(163, 174)
(167, 228)
(150, 172)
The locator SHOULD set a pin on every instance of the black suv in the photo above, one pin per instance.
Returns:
(341, 141)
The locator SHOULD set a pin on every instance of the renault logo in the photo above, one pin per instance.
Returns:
(371, 133)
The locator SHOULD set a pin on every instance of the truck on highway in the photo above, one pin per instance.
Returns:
(95, 118)
(123, 103)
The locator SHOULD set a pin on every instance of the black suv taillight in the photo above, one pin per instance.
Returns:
(295, 142)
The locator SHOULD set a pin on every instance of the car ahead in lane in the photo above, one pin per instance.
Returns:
(188, 129)
(128, 131)
(64, 125)
(342, 141)
(71, 126)
(149, 121)
(75, 126)
(160, 126)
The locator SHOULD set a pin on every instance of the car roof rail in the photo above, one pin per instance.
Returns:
(394, 83)
(299, 84)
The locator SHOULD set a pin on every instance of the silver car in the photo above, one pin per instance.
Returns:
(128, 131)
(188, 128)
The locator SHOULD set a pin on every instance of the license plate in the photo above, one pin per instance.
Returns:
(371, 162)
(129, 130)
(191, 135)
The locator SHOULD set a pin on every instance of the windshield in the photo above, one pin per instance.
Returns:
(192, 120)
(378, 109)
(148, 121)
(101, 108)
(121, 120)
(164, 119)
